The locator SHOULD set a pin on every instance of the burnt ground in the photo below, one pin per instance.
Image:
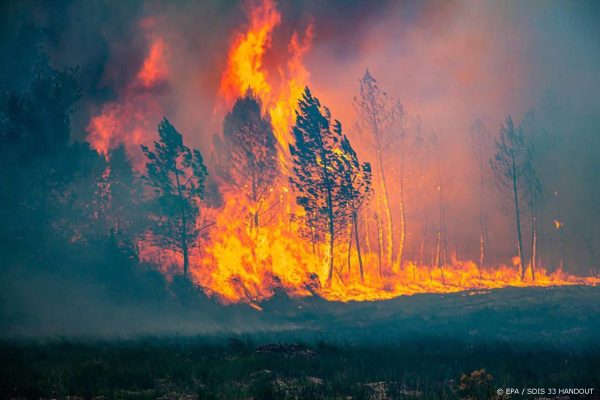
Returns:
(424, 346)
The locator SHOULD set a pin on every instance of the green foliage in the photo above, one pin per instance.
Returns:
(319, 167)
(247, 154)
(328, 177)
(427, 368)
(177, 176)
(330, 182)
(249, 147)
(509, 161)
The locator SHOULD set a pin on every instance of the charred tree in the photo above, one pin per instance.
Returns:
(250, 153)
(535, 145)
(508, 165)
(373, 111)
(177, 176)
(441, 244)
(480, 141)
(117, 207)
(399, 126)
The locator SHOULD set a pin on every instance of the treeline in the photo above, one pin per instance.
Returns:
(65, 206)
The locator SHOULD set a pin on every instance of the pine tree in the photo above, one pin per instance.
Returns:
(249, 150)
(356, 190)
(118, 198)
(375, 111)
(177, 176)
(480, 143)
(509, 166)
(321, 170)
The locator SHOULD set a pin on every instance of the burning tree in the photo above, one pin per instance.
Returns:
(323, 174)
(119, 196)
(480, 143)
(389, 133)
(356, 190)
(250, 151)
(509, 165)
(537, 143)
(441, 240)
(177, 176)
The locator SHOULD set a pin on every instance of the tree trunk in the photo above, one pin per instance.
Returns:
(561, 235)
(401, 242)
(331, 228)
(360, 264)
(380, 243)
(183, 231)
(518, 217)
(482, 227)
(388, 211)
(367, 235)
(384, 192)
(441, 234)
(349, 249)
(331, 241)
(533, 241)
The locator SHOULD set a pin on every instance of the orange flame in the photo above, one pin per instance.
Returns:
(154, 69)
(240, 262)
(131, 120)
(246, 70)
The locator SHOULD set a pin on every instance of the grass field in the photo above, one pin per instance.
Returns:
(244, 368)
(421, 347)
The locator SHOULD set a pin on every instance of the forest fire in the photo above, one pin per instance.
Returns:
(264, 237)
(264, 199)
(246, 70)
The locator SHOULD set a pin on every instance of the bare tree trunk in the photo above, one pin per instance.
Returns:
(561, 235)
(422, 251)
(380, 243)
(331, 240)
(360, 264)
(313, 237)
(389, 229)
(518, 217)
(183, 230)
(367, 234)
(401, 242)
(349, 247)
(437, 249)
(441, 234)
(482, 227)
(534, 236)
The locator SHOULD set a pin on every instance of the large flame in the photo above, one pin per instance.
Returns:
(131, 120)
(246, 70)
(240, 262)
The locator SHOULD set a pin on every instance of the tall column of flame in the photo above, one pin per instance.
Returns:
(246, 70)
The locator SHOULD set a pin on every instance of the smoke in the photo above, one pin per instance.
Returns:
(449, 63)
